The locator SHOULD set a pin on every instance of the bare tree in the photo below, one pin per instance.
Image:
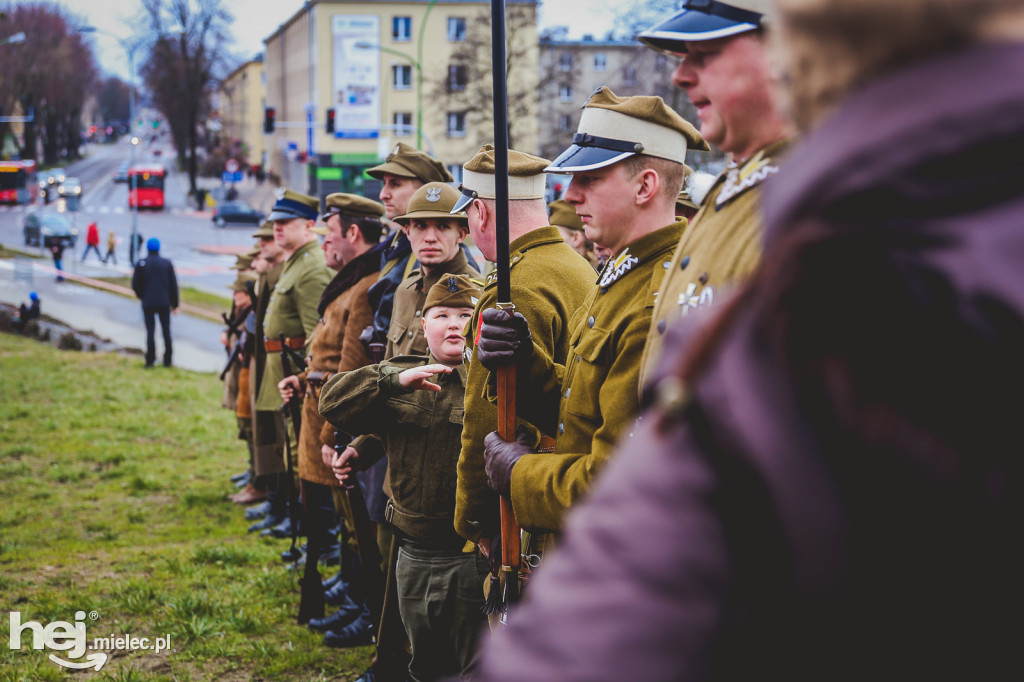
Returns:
(468, 85)
(49, 75)
(113, 100)
(181, 65)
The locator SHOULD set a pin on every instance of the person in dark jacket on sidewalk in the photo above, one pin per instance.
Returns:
(829, 476)
(157, 287)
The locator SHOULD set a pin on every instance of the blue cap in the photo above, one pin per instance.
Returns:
(33, 296)
(153, 244)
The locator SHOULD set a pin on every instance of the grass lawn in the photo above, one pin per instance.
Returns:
(113, 480)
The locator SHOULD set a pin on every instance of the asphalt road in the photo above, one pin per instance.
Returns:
(188, 237)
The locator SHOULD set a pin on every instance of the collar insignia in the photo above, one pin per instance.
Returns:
(615, 269)
(739, 179)
(434, 194)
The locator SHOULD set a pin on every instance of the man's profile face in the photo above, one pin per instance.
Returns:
(292, 233)
(333, 252)
(269, 250)
(603, 199)
(435, 240)
(396, 192)
(729, 83)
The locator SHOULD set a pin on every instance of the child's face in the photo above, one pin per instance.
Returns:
(443, 328)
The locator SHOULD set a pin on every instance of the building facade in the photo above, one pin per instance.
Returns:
(392, 70)
(241, 100)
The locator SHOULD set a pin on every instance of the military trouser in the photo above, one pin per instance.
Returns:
(349, 546)
(441, 604)
(268, 442)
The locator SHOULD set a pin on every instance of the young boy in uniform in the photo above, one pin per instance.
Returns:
(416, 404)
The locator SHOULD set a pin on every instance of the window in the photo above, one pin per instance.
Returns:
(600, 61)
(629, 76)
(401, 76)
(565, 93)
(401, 28)
(456, 124)
(456, 29)
(565, 122)
(565, 61)
(403, 123)
(458, 76)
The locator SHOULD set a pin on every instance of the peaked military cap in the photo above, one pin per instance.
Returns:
(614, 128)
(525, 177)
(266, 230)
(244, 260)
(564, 215)
(433, 200)
(453, 291)
(409, 162)
(349, 205)
(291, 205)
(705, 20)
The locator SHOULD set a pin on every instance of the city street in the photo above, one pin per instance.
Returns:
(200, 251)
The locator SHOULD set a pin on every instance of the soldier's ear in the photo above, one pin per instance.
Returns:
(649, 185)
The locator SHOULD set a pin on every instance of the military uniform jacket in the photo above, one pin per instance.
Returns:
(422, 431)
(722, 246)
(405, 337)
(335, 347)
(549, 281)
(292, 310)
(264, 286)
(596, 397)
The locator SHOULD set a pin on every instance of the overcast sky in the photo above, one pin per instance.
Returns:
(257, 19)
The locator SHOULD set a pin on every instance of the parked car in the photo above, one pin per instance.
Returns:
(48, 229)
(43, 180)
(56, 176)
(70, 187)
(236, 212)
(121, 174)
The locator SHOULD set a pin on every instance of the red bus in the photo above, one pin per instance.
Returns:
(18, 182)
(146, 186)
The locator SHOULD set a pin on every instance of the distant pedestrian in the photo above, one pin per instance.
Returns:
(92, 241)
(57, 249)
(27, 313)
(157, 287)
(111, 246)
(134, 247)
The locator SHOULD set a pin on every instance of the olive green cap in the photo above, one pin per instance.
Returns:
(244, 260)
(614, 128)
(525, 176)
(291, 205)
(240, 281)
(454, 291)
(564, 215)
(408, 162)
(349, 205)
(266, 230)
(432, 200)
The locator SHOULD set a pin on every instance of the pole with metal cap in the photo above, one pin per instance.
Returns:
(510, 549)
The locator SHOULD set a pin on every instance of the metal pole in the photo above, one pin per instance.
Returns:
(419, 76)
(132, 187)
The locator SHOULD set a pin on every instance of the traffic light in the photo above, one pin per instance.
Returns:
(330, 120)
(268, 119)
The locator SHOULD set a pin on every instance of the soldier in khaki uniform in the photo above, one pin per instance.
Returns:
(549, 282)
(291, 309)
(352, 249)
(435, 235)
(627, 165)
(563, 216)
(725, 73)
(415, 402)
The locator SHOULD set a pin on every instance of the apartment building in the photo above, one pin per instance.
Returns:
(241, 100)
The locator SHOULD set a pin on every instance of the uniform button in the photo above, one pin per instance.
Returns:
(410, 335)
(683, 263)
(703, 279)
(661, 326)
(417, 313)
(561, 428)
(666, 265)
(567, 392)
(590, 322)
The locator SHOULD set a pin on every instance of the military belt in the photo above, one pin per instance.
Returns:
(318, 379)
(274, 345)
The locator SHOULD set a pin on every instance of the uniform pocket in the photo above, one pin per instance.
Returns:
(593, 357)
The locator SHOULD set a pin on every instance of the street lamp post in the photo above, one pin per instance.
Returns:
(130, 49)
(18, 37)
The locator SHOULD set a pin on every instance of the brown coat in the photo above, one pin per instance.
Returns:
(335, 347)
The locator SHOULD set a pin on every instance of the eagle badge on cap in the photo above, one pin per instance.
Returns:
(453, 284)
(279, 193)
(434, 194)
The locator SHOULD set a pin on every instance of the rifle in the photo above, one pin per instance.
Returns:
(366, 539)
(241, 349)
(510, 541)
(290, 411)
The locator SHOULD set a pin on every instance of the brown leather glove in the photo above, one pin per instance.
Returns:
(504, 339)
(500, 458)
